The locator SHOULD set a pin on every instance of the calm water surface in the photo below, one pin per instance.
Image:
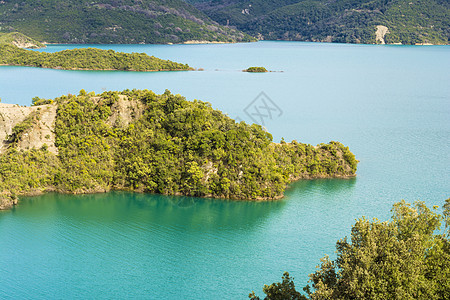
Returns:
(389, 104)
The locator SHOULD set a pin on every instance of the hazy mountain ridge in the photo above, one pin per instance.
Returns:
(112, 21)
(348, 21)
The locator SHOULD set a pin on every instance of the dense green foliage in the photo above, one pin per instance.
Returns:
(86, 59)
(256, 70)
(112, 21)
(284, 290)
(141, 141)
(18, 39)
(181, 147)
(347, 21)
(36, 101)
(27, 171)
(400, 259)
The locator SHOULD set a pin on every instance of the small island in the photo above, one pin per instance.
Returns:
(137, 140)
(86, 59)
(256, 70)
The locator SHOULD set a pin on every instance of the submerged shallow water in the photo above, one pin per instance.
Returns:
(389, 104)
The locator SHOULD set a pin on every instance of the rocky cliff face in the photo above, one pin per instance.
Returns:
(7, 201)
(40, 131)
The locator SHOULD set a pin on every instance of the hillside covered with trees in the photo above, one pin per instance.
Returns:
(86, 59)
(137, 140)
(347, 21)
(407, 257)
(112, 21)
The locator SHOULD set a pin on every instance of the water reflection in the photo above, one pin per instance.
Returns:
(330, 186)
(125, 207)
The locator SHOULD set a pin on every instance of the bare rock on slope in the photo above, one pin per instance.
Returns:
(39, 134)
(380, 33)
(124, 111)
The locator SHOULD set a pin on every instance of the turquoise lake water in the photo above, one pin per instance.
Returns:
(389, 104)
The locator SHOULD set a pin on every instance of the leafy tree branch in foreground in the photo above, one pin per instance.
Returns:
(399, 259)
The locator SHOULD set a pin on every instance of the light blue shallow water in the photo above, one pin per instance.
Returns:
(389, 104)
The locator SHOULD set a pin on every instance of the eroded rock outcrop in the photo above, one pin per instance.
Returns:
(40, 131)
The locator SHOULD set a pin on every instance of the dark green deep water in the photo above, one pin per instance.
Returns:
(389, 104)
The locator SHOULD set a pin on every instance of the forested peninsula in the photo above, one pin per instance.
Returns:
(139, 141)
(86, 59)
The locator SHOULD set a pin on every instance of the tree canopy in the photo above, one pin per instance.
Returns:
(407, 257)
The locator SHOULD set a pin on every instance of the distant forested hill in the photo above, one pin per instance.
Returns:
(347, 21)
(112, 21)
